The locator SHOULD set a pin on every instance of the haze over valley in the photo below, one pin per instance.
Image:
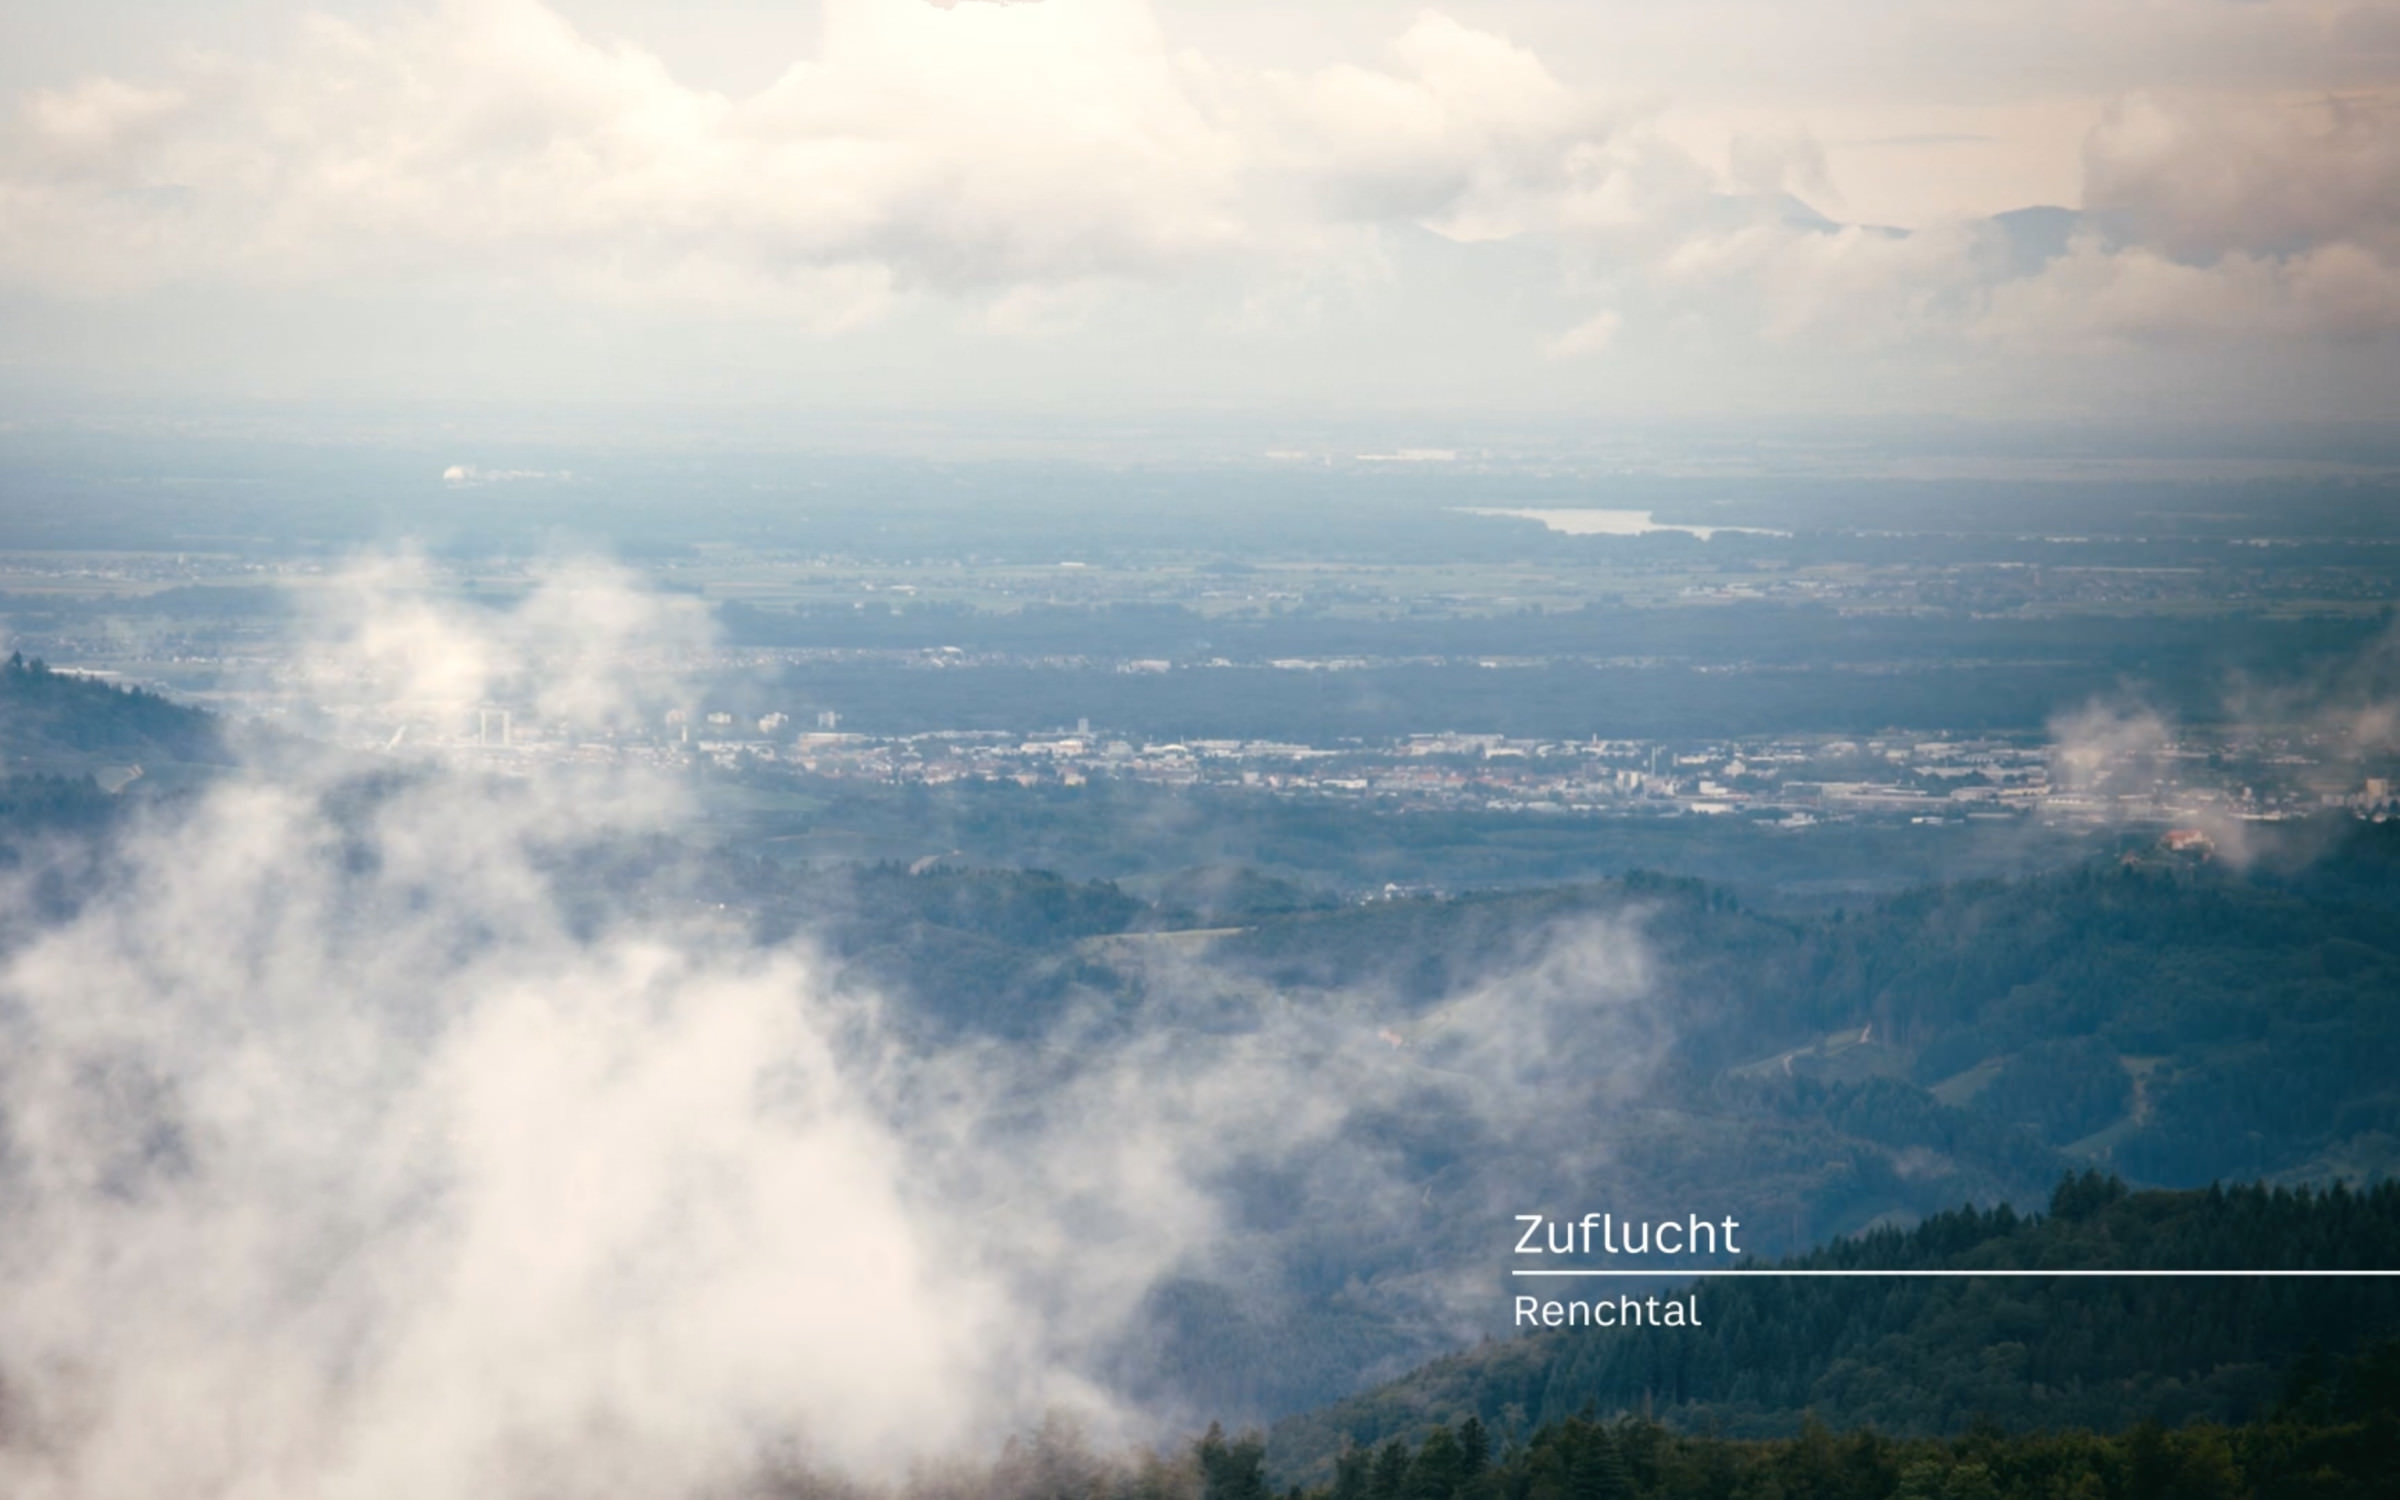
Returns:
(934, 749)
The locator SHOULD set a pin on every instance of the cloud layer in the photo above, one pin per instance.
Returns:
(339, 1164)
(1028, 165)
(355, 1149)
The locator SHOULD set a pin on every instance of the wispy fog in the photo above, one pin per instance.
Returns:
(2115, 753)
(347, 1156)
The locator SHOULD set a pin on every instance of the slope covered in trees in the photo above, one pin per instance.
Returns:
(1937, 1356)
(2342, 1445)
(1821, 1074)
(2333, 1435)
(58, 721)
(2176, 1023)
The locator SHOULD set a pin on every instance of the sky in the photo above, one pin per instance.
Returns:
(1567, 211)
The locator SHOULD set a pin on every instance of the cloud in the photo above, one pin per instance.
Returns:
(1922, 140)
(1792, 162)
(2118, 758)
(1464, 131)
(2221, 222)
(2260, 226)
(464, 1206)
(1841, 288)
(343, 1163)
(2107, 746)
(492, 141)
(2352, 703)
(1589, 336)
(2099, 295)
(2122, 757)
(360, 1146)
(973, 147)
(1008, 170)
(386, 637)
(2198, 180)
(977, 146)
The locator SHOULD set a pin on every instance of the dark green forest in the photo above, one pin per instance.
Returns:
(2332, 1433)
(1931, 1357)
(58, 721)
(2178, 1022)
(2335, 1441)
(2253, 1003)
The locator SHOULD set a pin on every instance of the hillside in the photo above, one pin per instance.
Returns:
(1918, 1356)
(62, 723)
(2176, 1022)
(1820, 1074)
(2335, 1439)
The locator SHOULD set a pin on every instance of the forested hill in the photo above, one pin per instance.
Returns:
(2338, 1439)
(2175, 1021)
(1931, 1356)
(58, 722)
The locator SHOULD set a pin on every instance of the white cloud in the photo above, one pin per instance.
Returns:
(1012, 169)
(1468, 132)
(2219, 221)
(359, 1149)
(1590, 336)
(974, 147)
(2096, 296)
(2103, 743)
(2199, 177)
(1846, 288)
(2266, 225)
(343, 1165)
(1789, 162)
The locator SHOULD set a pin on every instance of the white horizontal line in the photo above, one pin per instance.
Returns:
(1700, 1271)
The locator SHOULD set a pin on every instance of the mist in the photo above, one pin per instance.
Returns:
(2118, 752)
(354, 1148)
